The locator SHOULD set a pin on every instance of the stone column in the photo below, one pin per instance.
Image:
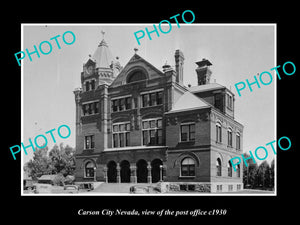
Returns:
(105, 174)
(118, 173)
(133, 178)
(149, 177)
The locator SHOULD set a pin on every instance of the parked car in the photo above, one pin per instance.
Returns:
(71, 189)
(139, 190)
(42, 188)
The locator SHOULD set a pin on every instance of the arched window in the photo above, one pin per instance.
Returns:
(219, 167)
(89, 169)
(229, 167)
(218, 132)
(188, 167)
(229, 136)
(136, 76)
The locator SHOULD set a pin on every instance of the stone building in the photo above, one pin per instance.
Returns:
(139, 124)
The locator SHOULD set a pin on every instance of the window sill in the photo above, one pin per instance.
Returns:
(186, 177)
(182, 142)
(145, 107)
(88, 149)
(121, 110)
(90, 114)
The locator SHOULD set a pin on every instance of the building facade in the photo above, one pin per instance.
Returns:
(138, 124)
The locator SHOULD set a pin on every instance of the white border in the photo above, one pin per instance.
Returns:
(146, 24)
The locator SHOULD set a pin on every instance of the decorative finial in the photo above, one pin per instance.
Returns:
(135, 50)
(90, 55)
(102, 32)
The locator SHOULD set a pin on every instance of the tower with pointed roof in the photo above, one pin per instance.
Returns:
(101, 65)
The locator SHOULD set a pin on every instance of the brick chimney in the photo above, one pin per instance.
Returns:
(203, 71)
(179, 58)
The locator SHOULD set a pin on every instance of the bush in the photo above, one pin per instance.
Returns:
(59, 180)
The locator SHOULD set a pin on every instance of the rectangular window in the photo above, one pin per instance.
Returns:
(121, 134)
(96, 107)
(159, 98)
(128, 103)
(238, 142)
(121, 104)
(145, 138)
(121, 138)
(145, 100)
(87, 86)
(188, 132)
(92, 84)
(152, 99)
(229, 134)
(152, 132)
(218, 133)
(89, 142)
(90, 108)
(115, 140)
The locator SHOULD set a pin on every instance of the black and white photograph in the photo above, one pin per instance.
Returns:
(160, 118)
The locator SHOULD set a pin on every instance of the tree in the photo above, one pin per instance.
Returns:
(62, 159)
(272, 175)
(59, 160)
(40, 164)
(249, 173)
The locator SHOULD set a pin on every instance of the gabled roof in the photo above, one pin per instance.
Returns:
(188, 101)
(136, 61)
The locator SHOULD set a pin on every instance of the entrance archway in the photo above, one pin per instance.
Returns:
(141, 171)
(112, 172)
(155, 170)
(125, 171)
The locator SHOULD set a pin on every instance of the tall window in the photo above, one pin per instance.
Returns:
(121, 104)
(152, 131)
(121, 134)
(89, 142)
(229, 101)
(188, 167)
(219, 167)
(152, 99)
(187, 132)
(229, 168)
(218, 133)
(238, 141)
(238, 171)
(229, 136)
(89, 169)
(90, 108)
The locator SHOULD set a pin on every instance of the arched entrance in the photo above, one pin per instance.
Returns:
(155, 170)
(125, 171)
(112, 172)
(141, 171)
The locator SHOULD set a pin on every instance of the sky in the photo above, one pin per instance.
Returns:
(237, 52)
